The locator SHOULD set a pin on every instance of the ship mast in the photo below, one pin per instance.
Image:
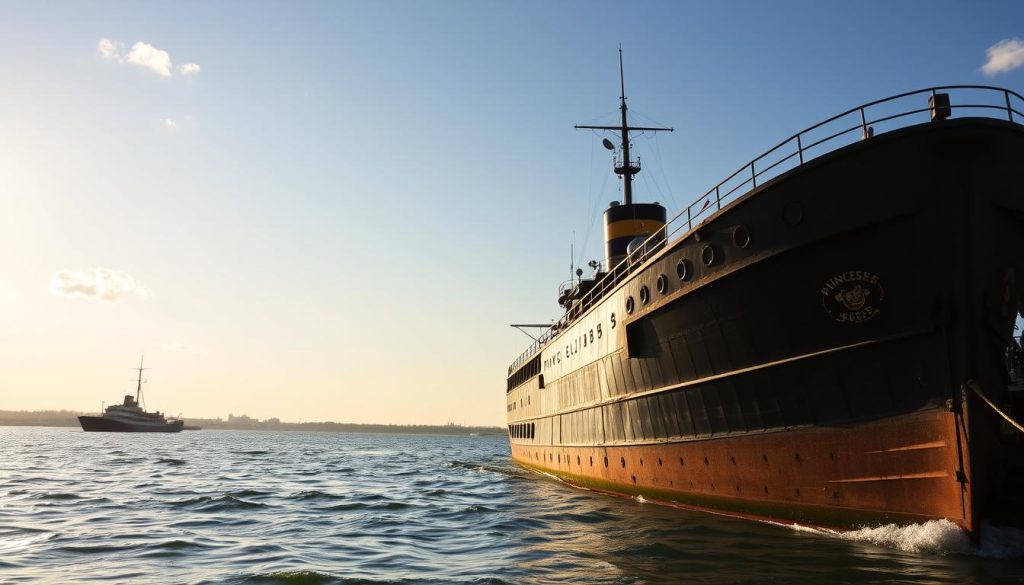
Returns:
(627, 168)
(138, 389)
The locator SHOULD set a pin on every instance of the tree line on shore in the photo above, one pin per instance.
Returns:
(69, 418)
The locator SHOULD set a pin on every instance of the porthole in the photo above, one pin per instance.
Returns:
(793, 213)
(662, 284)
(645, 294)
(630, 305)
(707, 255)
(741, 236)
(683, 269)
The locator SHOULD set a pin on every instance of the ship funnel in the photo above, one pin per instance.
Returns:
(624, 223)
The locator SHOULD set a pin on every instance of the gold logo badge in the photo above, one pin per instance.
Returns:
(852, 297)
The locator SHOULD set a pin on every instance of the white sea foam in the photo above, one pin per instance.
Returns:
(641, 499)
(934, 537)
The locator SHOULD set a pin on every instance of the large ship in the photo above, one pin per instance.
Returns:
(826, 337)
(129, 417)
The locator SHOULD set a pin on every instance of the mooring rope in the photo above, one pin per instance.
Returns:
(977, 390)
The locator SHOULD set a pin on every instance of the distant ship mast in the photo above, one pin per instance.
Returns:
(138, 389)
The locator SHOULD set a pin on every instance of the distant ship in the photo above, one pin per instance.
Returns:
(129, 417)
(825, 338)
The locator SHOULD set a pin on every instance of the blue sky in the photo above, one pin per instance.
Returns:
(338, 215)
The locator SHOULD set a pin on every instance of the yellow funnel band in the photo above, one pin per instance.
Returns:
(631, 227)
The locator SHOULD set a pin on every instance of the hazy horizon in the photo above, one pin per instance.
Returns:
(333, 211)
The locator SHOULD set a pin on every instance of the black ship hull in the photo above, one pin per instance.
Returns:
(110, 425)
(822, 353)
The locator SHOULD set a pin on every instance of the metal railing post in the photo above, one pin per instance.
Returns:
(1009, 108)
(863, 124)
(799, 149)
(753, 175)
(689, 221)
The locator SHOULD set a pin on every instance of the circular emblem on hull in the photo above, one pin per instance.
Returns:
(852, 297)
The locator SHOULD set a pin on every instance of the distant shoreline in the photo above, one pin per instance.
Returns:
(68, 418)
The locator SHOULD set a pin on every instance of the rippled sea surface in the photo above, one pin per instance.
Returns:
(287, 507)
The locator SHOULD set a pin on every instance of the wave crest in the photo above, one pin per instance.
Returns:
(935, 537)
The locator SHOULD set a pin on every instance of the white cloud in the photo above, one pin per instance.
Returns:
(1006, 55)
(147, 56)
(99, 283)
(168, 124)
(111, 49)
(181, 347)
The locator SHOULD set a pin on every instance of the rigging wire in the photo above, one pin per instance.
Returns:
(602, 118)
(661, 169)
(595, 200)
(649, 119)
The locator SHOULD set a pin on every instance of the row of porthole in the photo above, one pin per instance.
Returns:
(684, 271)
(522, 431)
(622, 460)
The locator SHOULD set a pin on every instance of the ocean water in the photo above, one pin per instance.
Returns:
(286, 507)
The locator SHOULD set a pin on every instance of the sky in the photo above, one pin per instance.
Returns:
(334, 210)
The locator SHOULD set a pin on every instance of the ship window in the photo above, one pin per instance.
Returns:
(683, 269)
(662, 284)
(645, 294)
(741, 236)
(630, 305)
(707, 255)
